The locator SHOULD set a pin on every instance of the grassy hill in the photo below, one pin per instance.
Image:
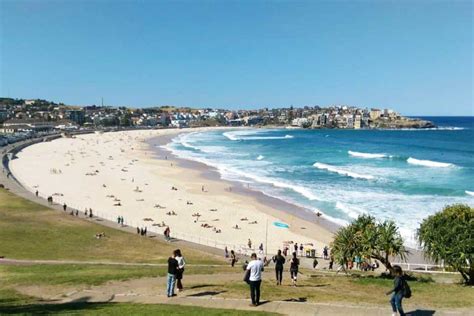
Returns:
(30, 231)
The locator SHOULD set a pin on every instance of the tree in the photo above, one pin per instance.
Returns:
(447, 236)
(367, 238)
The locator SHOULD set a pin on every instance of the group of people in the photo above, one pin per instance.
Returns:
(280, 261)
(120, 220)
(142, 231)
(176, 265)
(254, 269)
(88, 213)
(362, 264)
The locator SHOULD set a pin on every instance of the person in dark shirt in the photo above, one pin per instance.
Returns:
(233, 258)
(397, 296)
(294, 263)
(279, 261)
(172, 270)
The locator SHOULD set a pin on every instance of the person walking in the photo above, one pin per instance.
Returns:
(233, 258)
(325, 252)
(279, 261)
(331, 262)
(226, 252)
(167, 233)
(315, 263)
(260, 249)
(180, 271)
(399, 284)
(172, 270)
(64, 207)
(255, 268)
(294, 264)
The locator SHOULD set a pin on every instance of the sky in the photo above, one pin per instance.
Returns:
(415, 57)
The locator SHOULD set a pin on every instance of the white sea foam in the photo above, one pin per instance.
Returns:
(260, 157)
(349, 201)
(230, 172)
(231, 136)
(307, 193)
(429, 163)
(366, 155)
(449, 128)
(352, 211)
(250, 135)
(266, 137)
(440, 128)
(343, 172)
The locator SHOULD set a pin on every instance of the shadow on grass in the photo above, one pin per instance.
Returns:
(206, 293)
(80, 304)
(297, 300)
(421, 312)
(200, 286)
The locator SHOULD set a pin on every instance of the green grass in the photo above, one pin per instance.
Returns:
(12, 302)
(363, 289)
(72, 274)
(32, 231)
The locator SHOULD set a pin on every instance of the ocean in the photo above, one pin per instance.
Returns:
(402, 175)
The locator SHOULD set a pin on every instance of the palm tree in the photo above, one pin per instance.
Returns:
(367, 238)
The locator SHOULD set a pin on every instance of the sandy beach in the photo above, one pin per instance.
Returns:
(126, 174)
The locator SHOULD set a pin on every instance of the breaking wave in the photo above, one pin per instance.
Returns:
(248, 136)
(342, 172)
(367, 155)
(429, 163)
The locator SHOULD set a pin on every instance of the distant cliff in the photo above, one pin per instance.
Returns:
(400, 123)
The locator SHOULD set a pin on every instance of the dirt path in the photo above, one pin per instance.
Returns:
(204, 291)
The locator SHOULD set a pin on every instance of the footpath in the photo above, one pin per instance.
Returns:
(210, 299)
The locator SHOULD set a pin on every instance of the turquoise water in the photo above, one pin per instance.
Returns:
(403, 175)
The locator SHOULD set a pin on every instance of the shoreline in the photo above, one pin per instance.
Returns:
(211, 173)
(120, 164)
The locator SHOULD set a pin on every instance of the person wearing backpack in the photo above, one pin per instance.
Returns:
(399, 291)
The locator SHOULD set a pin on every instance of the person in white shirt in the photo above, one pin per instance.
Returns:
(255, 268)
(179, 273)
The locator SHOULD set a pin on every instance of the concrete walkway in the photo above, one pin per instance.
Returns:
(281, 307)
